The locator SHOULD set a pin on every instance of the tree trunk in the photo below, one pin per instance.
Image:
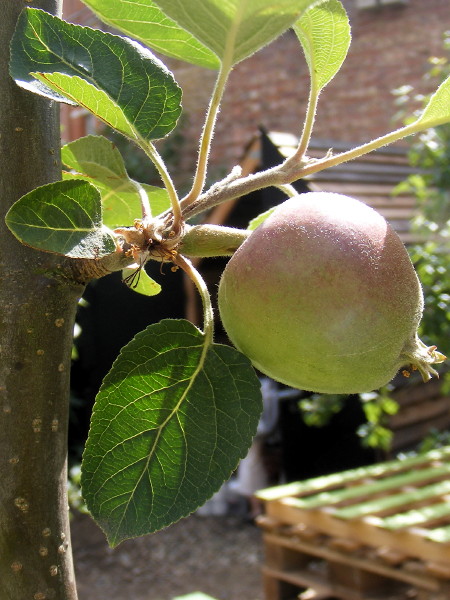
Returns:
(37, 313)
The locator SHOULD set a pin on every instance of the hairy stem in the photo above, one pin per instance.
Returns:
(145, 204)
(212, 240)
(207, 135)
(328, 161)
(308, 124)
(208, 315)
(288, 189)
(288, 172)
(157, 160)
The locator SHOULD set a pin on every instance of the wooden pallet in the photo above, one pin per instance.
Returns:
(375, 533)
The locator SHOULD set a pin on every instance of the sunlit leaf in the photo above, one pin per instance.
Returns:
(139, 281)
(144, 21)
(63, 217)
(115, 78)
(324, 32)
(170, 423)
(96, 159)
(437, 111)
(234, 29)
(256, 222)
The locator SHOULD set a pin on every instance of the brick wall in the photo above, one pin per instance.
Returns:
(390, 48)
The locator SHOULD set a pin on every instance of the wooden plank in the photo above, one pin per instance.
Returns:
(419, 413)
(334, 480)
(298, 578)
(365, 171)
(361, 530)
(276, 588)
(373, 157)
(394, 482)
(412, 238)
(354, 188)
(438, 570)
(422, 581)
(304, 579)
(390, 557)
(343, 146)
(418, 392)
(362, 177)
(379, 201)
(407, 437)
(397, 213)
(385, 503)
(400, 227)
(311, 594)
(418, 516)
(440, 534)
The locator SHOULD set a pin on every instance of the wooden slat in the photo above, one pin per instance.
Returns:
(402, 506)
(308, 580)
(402, 500)
(386, 484)
(351, 476)
(361, 530)
(357, 190)
(299, 579)
(426, 410)
(364, 173)
(373, 157)
(380, 202)
(390, 213)
(417, 516)
(406, 437)
(440, 534)
(362, 563)
(414, 394)
(398, 214)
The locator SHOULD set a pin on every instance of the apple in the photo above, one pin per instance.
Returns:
(322, 296)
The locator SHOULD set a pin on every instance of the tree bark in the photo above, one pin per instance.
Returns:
(37, 311)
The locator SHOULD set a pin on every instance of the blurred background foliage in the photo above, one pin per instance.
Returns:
(430, 154)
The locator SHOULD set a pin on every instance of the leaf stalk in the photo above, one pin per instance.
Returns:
(309, 122)
(208, 314)
(160, 165)
(207, 136)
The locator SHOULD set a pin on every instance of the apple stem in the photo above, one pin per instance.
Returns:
(420, 356)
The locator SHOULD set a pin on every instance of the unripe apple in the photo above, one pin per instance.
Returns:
(322, 296)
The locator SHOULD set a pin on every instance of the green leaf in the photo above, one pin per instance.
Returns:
(144, 21)
(95, 156)
(437, 111)
(115, 78)
(97, 160)
(324, 33)
(139, 281)
(234, 29)
(256, 222)
(63, 217)
(170, 423)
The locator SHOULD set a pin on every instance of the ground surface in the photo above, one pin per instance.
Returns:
(219, 556)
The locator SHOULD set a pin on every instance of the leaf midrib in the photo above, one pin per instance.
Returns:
(82, 73)
(159, 431)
